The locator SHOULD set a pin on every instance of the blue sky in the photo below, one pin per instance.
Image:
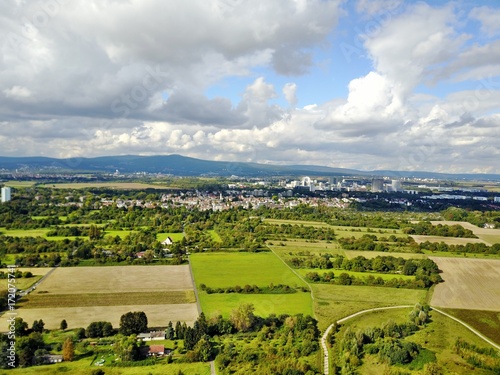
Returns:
(367, 84)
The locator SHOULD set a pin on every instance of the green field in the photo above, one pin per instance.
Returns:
(316, 224)
(486, 322)
(174, 236)
(333, 302)
(20, 184)
(107, 185)
(265, 304)
(438, 336)
(219, 270)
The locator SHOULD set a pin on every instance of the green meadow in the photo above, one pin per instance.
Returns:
(222, 270)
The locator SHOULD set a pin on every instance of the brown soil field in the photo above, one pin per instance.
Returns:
(158, 315)
(472, 284)
(448, 240)
(91, 280)
(82, 295)
(490, 236)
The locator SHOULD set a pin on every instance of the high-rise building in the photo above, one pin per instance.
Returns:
(396, 185)
(377, 185)
(6, 194)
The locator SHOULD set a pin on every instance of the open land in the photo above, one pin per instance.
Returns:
(489, 236)
(219, 270)
(468, 284)
(109, 185)
(82, 295)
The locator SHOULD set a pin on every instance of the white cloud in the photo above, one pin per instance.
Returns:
(290, 92)
(489, 19)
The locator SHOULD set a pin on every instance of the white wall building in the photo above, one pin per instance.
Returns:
(6, 194)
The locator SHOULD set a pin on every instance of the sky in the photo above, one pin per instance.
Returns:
(365, 84)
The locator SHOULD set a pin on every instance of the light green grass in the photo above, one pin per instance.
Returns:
(215, 236)
(21, 283)
(316, 224)
(20, 184)
(283, 248)
(174, 236)
(486, 322)
(120, 233)
(84, 367)
(218, 270)
(265, 304)
(333, 302)
(107, 185)
(449, 254)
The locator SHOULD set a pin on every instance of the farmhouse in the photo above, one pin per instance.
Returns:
(168, 241)
(156, 350)
(153, 335)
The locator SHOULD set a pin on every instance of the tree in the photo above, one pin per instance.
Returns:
(68, 350)
(63, 325)
(127, 348)
(243, 317)
(94, 232)
(20, 327)
(38, 326)
(133, 323)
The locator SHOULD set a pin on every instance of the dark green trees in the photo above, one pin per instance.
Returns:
(133, 323)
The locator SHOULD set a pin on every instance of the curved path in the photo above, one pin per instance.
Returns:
(326, 362)
(325, 348)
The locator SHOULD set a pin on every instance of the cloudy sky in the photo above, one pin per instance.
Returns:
(367, 84)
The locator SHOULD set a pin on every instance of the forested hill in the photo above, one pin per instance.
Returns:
(186, 166)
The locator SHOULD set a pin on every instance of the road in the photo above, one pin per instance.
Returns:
(33, 287)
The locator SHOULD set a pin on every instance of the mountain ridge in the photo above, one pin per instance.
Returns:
(176, 164)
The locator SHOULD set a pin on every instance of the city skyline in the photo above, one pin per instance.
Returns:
(384, 84)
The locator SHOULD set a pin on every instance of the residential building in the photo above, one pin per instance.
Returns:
(6, 194)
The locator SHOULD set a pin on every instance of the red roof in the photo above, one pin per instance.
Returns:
(157, 349)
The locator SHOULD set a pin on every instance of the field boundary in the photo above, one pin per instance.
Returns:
(468, 327)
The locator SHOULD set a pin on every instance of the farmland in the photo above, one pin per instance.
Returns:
(219, 270)
(469, 283)
(85, 294)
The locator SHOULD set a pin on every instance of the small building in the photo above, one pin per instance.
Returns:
(168, 241)
(140, 254)
(156, 350)
(153, 335)
(50, 358)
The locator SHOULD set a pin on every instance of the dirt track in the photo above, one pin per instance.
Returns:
(468, 284)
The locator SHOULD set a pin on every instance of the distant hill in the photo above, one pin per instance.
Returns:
(185, 166)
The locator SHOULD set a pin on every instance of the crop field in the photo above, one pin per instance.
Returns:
(316, 224)
(218, 270)
(438, 336)
(108, 185)
(85, 294)
(333, 302)
(373, 254)
(490, 236)
(20, 184)
(486, 322)
(284, 248)
(468, 284)
(447, 240)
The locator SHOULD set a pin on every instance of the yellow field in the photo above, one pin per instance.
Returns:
(447, 240)
(472, 284)
(82, 295)
(116, 279)
(489, 236)
(158, 315)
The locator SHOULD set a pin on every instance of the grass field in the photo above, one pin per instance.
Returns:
(82, 295)
(438, 336)
(84, 367)
(490, 236)
(20, 184)
(333, 302)
(486, 322)
(447, 240)
(265, 304)
(468, 284)
(217, 270)
(108, 185)
(174, 236)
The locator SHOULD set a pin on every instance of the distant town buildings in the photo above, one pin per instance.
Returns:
(377, 185)
(396, 185)
(6, 194)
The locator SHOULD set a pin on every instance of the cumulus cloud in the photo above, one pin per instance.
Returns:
(88, 78)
